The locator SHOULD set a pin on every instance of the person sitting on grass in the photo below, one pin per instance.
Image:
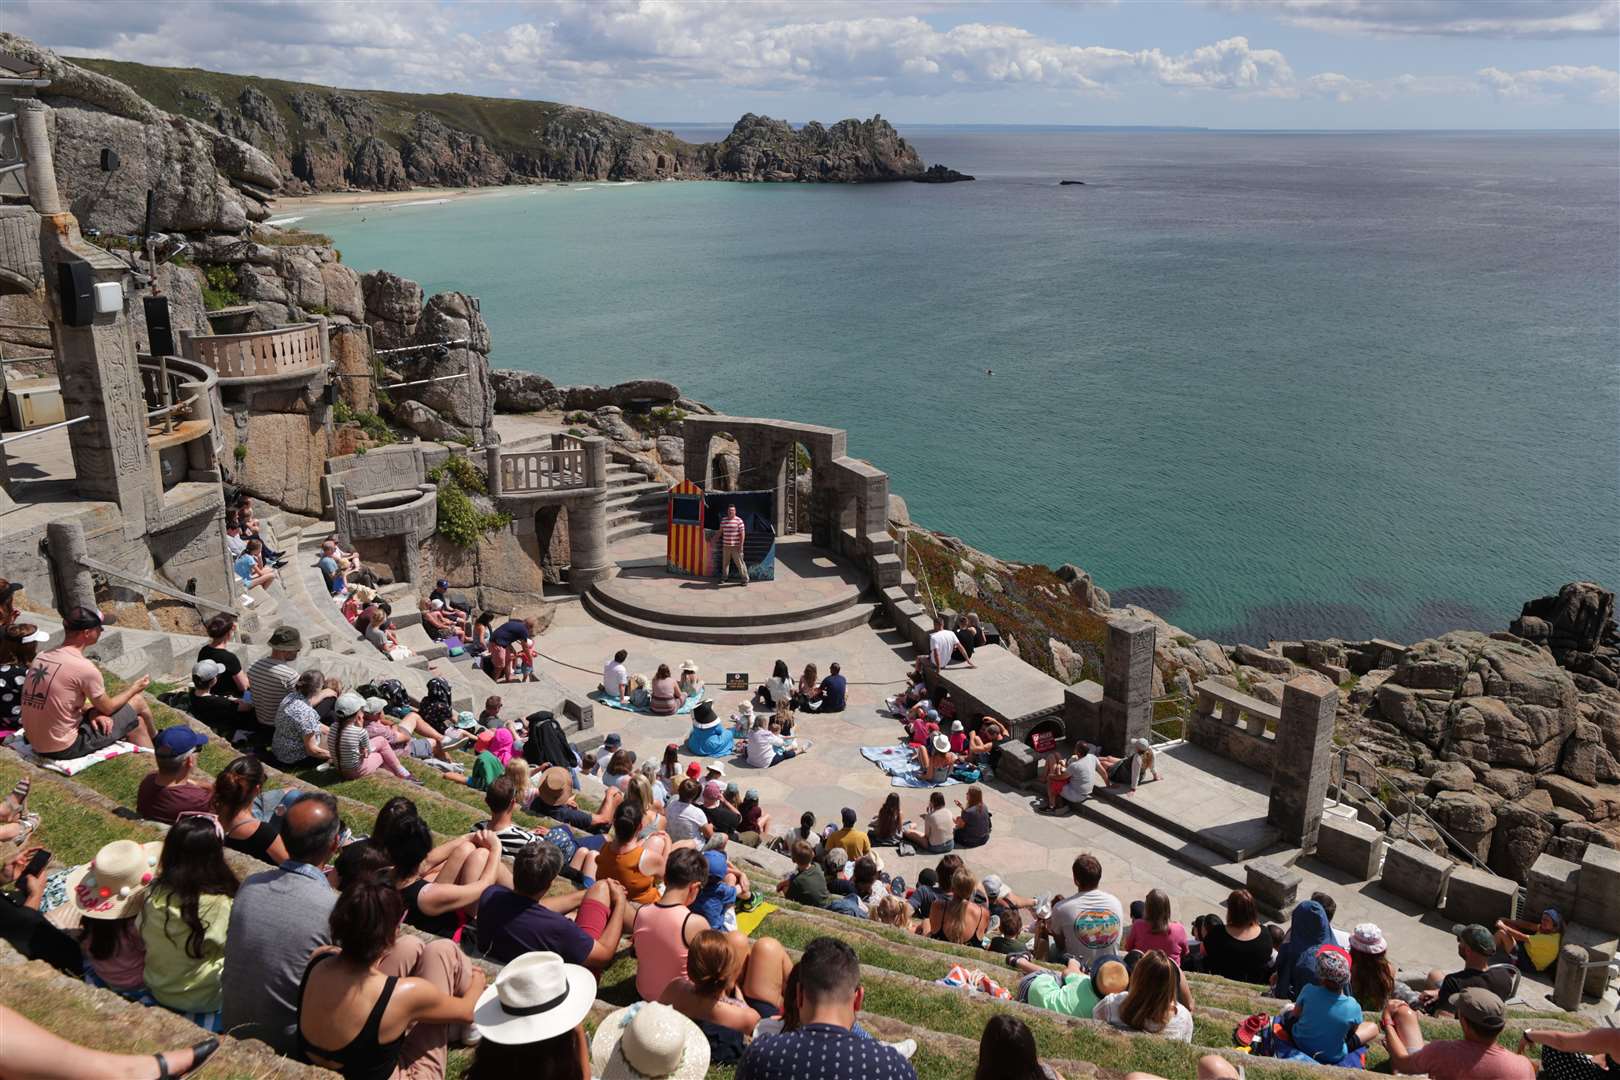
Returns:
(722, 890)
(1009, 939)
(637, 862)
(1476, 947)
(960, 919)
(938, 835)
(233, 680)
(1156, 930)
(582, 927)
(1373, 979)
(252, 820)
(807, 884)
(556, 799)
(471, 865)
(38, 1054)
(1564, 1054)
(351, 744)
(66, 710)
(1533, 945)
(1476, 1056)
(729, 985)
(1324, 1022)
(174, 789)
(1131, 768)
(300, 737)
(1007, 1052)
(1150, 1003)
(1071, 992)
(501, 797)
(108, 926)
(378, 1002)
(664, 930)
(184, 919)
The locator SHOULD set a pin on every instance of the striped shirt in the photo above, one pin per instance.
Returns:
(731, 531)
(270, 680)
(514, 838)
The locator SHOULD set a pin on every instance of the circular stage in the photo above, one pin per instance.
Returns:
(815, 594)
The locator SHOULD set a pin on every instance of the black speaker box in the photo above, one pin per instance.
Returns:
(158, 330)
(75, 286)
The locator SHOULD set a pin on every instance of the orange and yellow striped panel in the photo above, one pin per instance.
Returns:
(687, 551)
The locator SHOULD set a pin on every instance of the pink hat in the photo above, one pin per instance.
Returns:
(712, 791)
(1368, 939)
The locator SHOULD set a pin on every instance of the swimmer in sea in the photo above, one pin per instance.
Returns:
(989, 371)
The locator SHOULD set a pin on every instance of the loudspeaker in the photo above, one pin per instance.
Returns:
(158, 330)
(109, 159)
(75, 287)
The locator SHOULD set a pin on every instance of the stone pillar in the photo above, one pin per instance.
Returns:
(587, 541)
(1303, 759)
(75, 586)
(1126, 711)
(1569, 977)
(1597, 890)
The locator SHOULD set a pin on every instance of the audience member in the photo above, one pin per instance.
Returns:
(251, 569)
(225, 714)
(469, 866)
(1085, 926)
(555, 799)
(960, 919)
(1009, 925)
(1007, 1052)
(725, 818)
(1129, 770)
(300, 736)
(19, 643)
(1373, 979)
(1149, 1004)
(174, 789)
(648, 1040)
(664, 930)
(1239, 948)
(730, 984)
(808, 883)
(33, 1052)
(886, 827)
(938, 834)
(827, 998)
(66, 710)
(379, 1003)
(352, 746)
(271, 678)
(776, 689)
(1156, 930)
(511, 649)
(1325, 1022)
(185, 919)
(852, 839)
(830, 696)
(1476, 1056)
(637, 863)
(501, 797)
(582, 927)
(233, 681)
(530, 1022)
(766, 748)
(944, 647)
(685, 819)
(1341, 938)
(1476, 947)
(278, 919)
(615, 676)
(1564, 1054)
(106, 895)
(1296, 960)
(1533, 945)
(971, 827)
(1073, 992)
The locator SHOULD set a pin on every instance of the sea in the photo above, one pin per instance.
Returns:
(1268, 384)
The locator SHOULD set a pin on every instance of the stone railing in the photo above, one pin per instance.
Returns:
(572, 464)
(177, 390)
(282, 353)
(1234, 725)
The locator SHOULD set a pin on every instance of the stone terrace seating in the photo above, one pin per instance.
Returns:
(902, 1001)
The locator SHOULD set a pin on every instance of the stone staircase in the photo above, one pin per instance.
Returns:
(635, 505)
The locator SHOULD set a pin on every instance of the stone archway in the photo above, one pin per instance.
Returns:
(551, 540)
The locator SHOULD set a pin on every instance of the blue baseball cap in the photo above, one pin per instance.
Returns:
(717, 863)
(178, 741)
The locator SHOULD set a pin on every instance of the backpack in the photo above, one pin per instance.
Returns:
(546, 743)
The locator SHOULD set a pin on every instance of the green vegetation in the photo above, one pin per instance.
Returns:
(578, 416)
(460, 520)
(240, 453)
(219, 287)
(663, 420)
(373, 426)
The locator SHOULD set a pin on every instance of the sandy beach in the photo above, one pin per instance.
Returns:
(327, 200)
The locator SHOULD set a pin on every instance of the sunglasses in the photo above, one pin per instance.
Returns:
(213, 819)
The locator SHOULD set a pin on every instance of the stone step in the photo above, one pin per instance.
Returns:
(1236, 843)
(625, 532)
(1172, 845)
(794, 630)
(604, 595)
(652, 515)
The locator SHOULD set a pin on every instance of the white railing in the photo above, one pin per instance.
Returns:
(264, 354)
(526, 471)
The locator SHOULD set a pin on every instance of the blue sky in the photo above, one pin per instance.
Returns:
(1217, 63)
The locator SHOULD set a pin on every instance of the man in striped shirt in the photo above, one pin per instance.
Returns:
(732, 535)
(271, 678)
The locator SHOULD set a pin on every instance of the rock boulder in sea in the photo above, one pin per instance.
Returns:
(939, 174)
(850, 151)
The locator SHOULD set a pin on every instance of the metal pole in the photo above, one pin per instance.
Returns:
(40, 431)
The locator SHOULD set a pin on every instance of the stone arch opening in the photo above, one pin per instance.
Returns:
(660, 163)
(551, 540)
(723, 472)
(796, 491)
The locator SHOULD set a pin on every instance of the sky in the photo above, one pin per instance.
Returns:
(1300, 64)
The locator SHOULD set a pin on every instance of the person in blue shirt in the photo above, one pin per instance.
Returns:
(250, 570)
(829, 695)
(1327, 1023)
(720, 893)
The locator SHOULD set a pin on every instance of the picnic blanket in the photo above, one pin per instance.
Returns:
(614, 703)
(901, 767)
(966, 978)
(74, 766)
(748, 921)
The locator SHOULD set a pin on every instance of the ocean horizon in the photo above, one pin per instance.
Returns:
(1268, 384)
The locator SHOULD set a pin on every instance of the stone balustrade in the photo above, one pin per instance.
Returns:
(286, 352)
(1234, 725)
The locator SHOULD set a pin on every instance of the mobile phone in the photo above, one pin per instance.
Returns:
(35, 866)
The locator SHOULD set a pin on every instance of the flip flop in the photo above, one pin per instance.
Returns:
(200, 1053)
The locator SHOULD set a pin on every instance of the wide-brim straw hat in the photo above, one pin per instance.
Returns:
(555, 785)
(535, 997)
(114, 883)
(649, 1041)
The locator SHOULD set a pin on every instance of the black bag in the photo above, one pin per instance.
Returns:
(546, 743)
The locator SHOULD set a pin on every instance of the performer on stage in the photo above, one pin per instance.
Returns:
(732, 534)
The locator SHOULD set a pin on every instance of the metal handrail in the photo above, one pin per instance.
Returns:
(1343, 758)
(42, 430)
(922, 573)
(158, 587)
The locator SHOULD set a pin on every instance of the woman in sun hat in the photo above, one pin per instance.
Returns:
(1372, 977)
(691, 683)
(1131, 768)
(649, 1041)
(104, 897)
(531, 1019)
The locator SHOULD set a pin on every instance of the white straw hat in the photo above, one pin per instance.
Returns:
(941, 743)
(535, 997)
(649, 1041)
(115, 881)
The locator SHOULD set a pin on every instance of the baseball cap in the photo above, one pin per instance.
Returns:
(204, 670)
(731, 790)
(752, 793)
(348, 703)
(712, 791)
(993, 886)
(8, 589)
(34, 635)
(1476, 937)
(848, 814)
(177, 741)
(1481, 1008)
(286, 637)
(442, 583)
(717, 863)
(694, 769)
(612, 741)
(375, 705)
(84, 618)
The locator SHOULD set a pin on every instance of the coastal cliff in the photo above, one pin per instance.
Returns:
(271, 136)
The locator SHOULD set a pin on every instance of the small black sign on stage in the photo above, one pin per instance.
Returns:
(736, 680)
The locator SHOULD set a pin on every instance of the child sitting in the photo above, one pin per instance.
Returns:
(1009, 939)
(717, 900)
(1325, 1023)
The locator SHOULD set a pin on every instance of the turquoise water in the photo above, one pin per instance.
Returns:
(1269, 385)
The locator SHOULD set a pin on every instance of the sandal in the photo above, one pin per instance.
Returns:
(200, 1053)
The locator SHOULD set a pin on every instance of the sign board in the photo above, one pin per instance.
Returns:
(736, 680)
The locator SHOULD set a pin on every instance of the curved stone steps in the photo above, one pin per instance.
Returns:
(607, 595)
(634, 528)
(806, 629)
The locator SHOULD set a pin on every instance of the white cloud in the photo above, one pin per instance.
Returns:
(1449, 18)
(1563, 82)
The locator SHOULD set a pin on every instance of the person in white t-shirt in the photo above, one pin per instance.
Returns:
(1082, 772)
(615, 676)
(943, 646)
(685, 818)
(1085, 926)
